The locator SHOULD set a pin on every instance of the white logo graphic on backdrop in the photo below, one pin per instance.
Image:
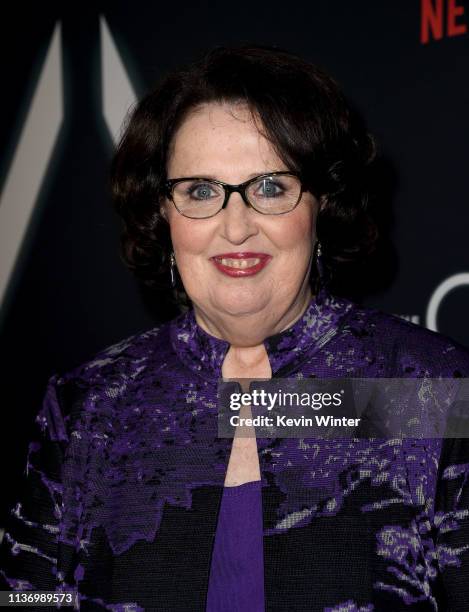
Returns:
(118, 93)
(451, 283)
(38, 137)
(441, 292)
(30, 161)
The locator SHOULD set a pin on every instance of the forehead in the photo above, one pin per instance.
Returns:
(222, 139)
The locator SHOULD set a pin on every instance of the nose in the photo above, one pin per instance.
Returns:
(238, 221)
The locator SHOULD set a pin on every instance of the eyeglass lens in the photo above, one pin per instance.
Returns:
(269, 195)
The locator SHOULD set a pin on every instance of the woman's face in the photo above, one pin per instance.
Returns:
(222, 142)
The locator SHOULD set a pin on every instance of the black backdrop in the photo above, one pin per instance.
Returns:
(404, 64)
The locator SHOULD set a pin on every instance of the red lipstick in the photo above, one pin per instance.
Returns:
(249, 268)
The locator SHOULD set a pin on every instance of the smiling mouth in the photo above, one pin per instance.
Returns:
(241, 264)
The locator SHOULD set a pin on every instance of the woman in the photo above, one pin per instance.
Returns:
(241, 179)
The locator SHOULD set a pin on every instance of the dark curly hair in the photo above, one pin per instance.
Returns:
(304, 114)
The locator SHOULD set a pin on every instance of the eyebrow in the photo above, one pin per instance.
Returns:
(259, 173)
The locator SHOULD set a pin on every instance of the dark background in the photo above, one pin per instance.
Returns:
(69, 293)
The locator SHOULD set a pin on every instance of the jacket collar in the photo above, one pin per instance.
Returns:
(204, 353)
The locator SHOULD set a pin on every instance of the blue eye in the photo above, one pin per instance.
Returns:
(202, 191)
(269, 189)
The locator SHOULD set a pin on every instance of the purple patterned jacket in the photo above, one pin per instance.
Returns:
(123, 485)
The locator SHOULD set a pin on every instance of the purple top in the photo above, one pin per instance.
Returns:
(237, 570)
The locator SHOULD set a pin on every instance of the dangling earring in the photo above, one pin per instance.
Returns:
(321, 280)
(320, 263)
(172, 269)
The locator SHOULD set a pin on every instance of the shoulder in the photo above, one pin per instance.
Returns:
(128, 356)
(412, 347)
(97, 385)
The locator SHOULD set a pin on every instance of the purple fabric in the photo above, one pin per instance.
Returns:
(237, 570)
(123, 482)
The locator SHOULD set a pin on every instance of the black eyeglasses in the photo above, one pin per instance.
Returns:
(274, 193)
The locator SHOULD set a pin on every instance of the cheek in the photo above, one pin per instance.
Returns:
(295, 234)
(189, 237)
(191, 242)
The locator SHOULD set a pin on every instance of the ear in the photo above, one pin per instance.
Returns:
(163, 211)
(322, 203)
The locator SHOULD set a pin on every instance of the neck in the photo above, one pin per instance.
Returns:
(250, 330)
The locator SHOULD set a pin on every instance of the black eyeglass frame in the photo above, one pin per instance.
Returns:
(229, 189)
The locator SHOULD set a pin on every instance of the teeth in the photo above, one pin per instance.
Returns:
(240, 263)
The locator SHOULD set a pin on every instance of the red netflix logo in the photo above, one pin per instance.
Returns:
(441, 18)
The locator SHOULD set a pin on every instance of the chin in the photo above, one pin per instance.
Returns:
(239, 302)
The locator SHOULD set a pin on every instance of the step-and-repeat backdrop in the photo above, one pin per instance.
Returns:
(69, 78)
